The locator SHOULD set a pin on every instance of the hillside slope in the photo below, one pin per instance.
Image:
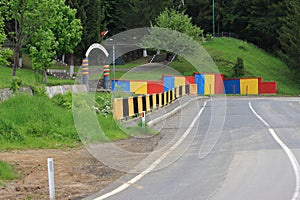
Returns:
(257, 62)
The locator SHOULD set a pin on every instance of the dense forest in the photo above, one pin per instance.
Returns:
(273, 25)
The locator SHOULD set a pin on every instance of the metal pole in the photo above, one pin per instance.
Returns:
(213, 10)
(114, 66)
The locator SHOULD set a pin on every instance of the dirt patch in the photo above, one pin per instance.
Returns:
(77, 173)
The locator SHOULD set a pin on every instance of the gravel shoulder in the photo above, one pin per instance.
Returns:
(77, 172)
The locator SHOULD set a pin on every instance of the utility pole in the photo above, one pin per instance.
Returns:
(213, 16)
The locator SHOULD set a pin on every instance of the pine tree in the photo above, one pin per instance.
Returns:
(289, 35)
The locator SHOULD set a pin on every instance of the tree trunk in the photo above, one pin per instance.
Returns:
(45, 76)
(16, 60)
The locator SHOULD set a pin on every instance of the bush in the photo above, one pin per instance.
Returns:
(15, 84)
(238, 68)
(8, 132)
(208, 37)
(103, 104)
(63, 100)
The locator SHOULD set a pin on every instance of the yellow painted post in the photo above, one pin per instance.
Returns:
(130, 105)
(118, 108)
(160, 100)
(183, 90)
(148, 108)
(193, 89)
(154, 101)
(140, 102)
(173, 94)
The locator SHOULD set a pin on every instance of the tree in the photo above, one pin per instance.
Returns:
(67, 30)
(93, 20)
(178, 27)
(42, 50)
(289, 35)
(178, 21)
(135, 13)
(34, 19)
(26, 16)
(58, 36)
(239, 68)
(29, 17)
(4, 53)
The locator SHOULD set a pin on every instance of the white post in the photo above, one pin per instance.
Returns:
(71, 70)
(63, 59)
(20, 62)
(145, 53)
(143, 119)
(51, 178)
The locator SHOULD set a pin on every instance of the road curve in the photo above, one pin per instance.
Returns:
(242, 160)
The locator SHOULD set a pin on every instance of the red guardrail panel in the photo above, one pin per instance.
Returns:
(155, 87)
(268, 88)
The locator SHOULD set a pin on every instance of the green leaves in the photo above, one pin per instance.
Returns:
(4, 53)
(289, 35)
(172, 32)
(45, 28)
(42, 49)
(67, 29)
(180, 22)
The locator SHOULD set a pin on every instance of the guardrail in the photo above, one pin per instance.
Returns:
(132, 106)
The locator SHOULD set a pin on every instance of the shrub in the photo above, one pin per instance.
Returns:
(15, 84)
(63, 100)
(238, 68)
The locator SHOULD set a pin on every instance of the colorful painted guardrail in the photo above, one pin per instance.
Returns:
(151, 95)
(131, 106)
(207, 84)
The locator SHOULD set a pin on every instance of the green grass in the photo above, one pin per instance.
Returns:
(155, 74)
(33, 122)
(7, 172)
(28, 78)
(257, 63)
(183, 67)
(37, 122)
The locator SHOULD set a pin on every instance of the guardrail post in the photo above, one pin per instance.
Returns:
(143, 119)
(51, 178)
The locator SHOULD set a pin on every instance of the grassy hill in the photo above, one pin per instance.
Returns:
(257, 62)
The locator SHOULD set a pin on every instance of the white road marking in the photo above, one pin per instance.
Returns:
(155, 163)
(287, 151)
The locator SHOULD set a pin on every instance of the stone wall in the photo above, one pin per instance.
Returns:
(6, 93)
(62, 89)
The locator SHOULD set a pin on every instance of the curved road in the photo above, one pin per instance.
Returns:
(243, 160)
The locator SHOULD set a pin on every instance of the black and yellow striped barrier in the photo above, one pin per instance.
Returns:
(128, 107)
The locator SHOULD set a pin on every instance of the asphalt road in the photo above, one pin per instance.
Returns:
(229, 153)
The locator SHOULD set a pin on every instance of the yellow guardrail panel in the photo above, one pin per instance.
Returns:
(249, 86)
(209, 84)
